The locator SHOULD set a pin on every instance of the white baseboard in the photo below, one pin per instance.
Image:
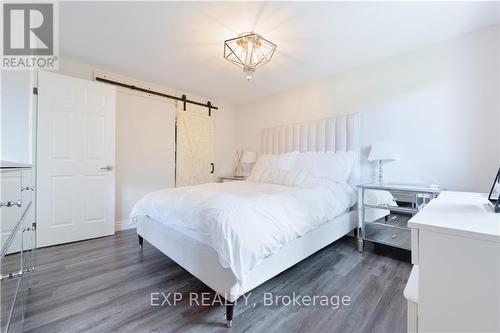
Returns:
(124, 225)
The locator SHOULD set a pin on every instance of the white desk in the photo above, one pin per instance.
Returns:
(456, 245)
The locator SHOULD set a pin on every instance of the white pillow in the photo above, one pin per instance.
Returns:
(379, 197)
(295, 178)
(273, 161)
(336, 167)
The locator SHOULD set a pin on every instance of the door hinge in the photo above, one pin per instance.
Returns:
(35, 91)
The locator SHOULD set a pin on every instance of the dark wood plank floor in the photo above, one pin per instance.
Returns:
(105, 285)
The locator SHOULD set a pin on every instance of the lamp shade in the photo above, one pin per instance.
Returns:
(381, 151)
(249, 157)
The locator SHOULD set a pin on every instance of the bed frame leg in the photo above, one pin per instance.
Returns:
(141, 241)
(229, 313)
(360, 245)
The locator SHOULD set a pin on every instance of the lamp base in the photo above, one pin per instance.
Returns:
(380, 173)
(238, 171)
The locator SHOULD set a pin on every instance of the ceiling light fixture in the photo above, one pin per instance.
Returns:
(249, 51)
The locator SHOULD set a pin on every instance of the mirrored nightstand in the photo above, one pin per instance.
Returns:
(387, 224)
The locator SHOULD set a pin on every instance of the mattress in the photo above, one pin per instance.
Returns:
(245, 222)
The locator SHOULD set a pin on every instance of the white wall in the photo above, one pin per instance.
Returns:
(439, 106)
(16, 116)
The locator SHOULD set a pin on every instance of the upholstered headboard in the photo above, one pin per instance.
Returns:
(341, 133)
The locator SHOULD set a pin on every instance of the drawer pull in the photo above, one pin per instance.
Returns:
(394, 236)
(16, 274)
(11, 276)
(10, 204)
(30, 228)
(7, 243)
(28, 188)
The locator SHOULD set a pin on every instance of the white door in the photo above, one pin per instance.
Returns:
(75, 159)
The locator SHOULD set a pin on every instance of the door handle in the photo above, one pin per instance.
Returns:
(107, 168)
(213, 168)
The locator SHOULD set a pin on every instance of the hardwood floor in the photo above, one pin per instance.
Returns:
(105, 285)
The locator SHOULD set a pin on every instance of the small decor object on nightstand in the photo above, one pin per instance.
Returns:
(387, 222)
(249, 158)
(381, 151)
(238, 171)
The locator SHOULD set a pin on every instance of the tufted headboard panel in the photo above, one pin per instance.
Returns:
(340, 133)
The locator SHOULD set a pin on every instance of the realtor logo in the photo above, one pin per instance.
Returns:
(29, 36)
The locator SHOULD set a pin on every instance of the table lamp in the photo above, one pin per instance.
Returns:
(249, 157)
(381, 152)
(244, 157)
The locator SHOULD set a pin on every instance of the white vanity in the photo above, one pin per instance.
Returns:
(455, 283)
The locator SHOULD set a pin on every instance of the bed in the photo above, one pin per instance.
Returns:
(199, 256)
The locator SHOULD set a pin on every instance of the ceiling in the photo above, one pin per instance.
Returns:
(180, 44)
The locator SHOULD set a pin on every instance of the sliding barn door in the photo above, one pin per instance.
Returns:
(145, 150)
(75, 159)
(195, 146)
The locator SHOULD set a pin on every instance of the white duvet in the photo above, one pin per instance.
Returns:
(247, 221)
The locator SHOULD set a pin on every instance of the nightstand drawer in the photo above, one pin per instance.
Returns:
(388, 235)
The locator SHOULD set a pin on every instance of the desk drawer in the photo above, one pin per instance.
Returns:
(16, 195)
(17, 216)
(10, 212)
